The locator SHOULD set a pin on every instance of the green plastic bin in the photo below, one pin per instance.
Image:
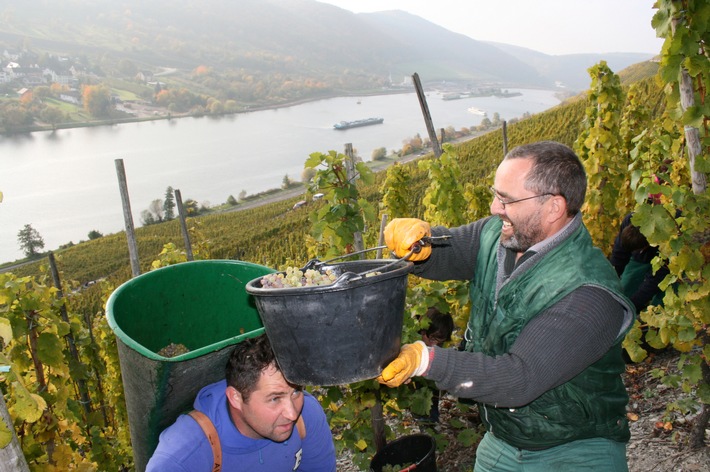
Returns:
(201, 305)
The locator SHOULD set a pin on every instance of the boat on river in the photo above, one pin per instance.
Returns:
(358, 123)
(476, 111)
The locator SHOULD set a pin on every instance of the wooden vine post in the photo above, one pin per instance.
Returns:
(128, 219)
(427, 116)
(358, 243)
(183, 226)
(692, 135)
(81, 383)
(11, 457)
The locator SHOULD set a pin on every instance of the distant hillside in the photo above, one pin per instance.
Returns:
(278, 41)
(438, 54)
(570, 70)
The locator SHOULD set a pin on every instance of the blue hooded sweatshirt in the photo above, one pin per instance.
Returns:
(184, 447)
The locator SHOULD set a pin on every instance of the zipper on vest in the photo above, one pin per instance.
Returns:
(485, 414)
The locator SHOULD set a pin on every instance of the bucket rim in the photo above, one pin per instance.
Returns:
(253, 287)
(403, 439)
(408, 437)
(144, 351)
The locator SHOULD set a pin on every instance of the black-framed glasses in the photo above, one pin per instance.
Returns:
(504, 203)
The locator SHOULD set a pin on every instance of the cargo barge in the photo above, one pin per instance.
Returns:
(358, 123)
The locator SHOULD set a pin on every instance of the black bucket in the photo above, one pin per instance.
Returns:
(340, 333)
(416, 452)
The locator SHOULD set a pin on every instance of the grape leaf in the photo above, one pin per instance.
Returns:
(49, 350)
(5, 330)
(29, 406)
(5, 434)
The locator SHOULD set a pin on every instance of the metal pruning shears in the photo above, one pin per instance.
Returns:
(426, 241)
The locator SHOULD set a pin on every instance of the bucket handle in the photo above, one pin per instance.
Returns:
(416, 247)
(315, 262)
(351, 276)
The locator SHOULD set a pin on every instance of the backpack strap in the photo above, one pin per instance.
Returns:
(212, 436)
(301, 426)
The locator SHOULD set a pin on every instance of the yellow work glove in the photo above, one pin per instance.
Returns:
(412, 361)
(402, 233)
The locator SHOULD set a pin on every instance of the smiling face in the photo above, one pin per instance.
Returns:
(270, 411)
(531, 217)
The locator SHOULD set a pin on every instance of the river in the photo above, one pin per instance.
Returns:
(64, 182)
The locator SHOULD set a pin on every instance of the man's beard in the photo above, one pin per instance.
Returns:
(526, 234)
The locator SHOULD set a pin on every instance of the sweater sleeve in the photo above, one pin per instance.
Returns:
(453, 258)
(553, 347)
(318, 447)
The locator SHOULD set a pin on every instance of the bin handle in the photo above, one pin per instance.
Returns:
(416, 247)
(315, 262)
(352, 276)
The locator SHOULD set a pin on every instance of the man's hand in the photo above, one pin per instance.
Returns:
(401, 234)
(412, 361)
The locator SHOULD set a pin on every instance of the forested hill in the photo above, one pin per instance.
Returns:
(265, 42)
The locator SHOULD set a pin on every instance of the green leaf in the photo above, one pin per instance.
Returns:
(694, 116)
(686, 334)
(703, 393)
(468, 437)
(421, 401)
(693, 372)
(659, 223)
(49, 350)
(314, 160)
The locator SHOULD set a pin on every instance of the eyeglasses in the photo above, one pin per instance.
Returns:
(503, 204)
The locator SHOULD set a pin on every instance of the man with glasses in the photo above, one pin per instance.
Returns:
(543, 356)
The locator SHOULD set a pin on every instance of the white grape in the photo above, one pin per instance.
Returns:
(294, 277)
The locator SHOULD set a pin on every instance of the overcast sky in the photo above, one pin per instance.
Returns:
(549, 26)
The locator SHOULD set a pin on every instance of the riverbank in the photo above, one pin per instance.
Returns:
(143, 112)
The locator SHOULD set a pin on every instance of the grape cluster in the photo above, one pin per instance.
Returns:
(173, 349)
(294, 277)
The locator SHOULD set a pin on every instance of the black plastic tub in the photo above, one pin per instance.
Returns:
(416, 452)
(340, 333)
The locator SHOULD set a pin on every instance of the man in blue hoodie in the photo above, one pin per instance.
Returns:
(261, 422)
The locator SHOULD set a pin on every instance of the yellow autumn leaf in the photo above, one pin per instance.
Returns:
(87, 467)
(361, 445)
(5, 434)
(632, 416)
(63, 456)
(28, 406)
(665, 335)
(5, 330)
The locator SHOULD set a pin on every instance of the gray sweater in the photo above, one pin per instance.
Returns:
(554, 347)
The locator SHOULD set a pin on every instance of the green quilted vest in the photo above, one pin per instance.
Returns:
(590, 405)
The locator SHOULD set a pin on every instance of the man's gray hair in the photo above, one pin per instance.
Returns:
(556, 169)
